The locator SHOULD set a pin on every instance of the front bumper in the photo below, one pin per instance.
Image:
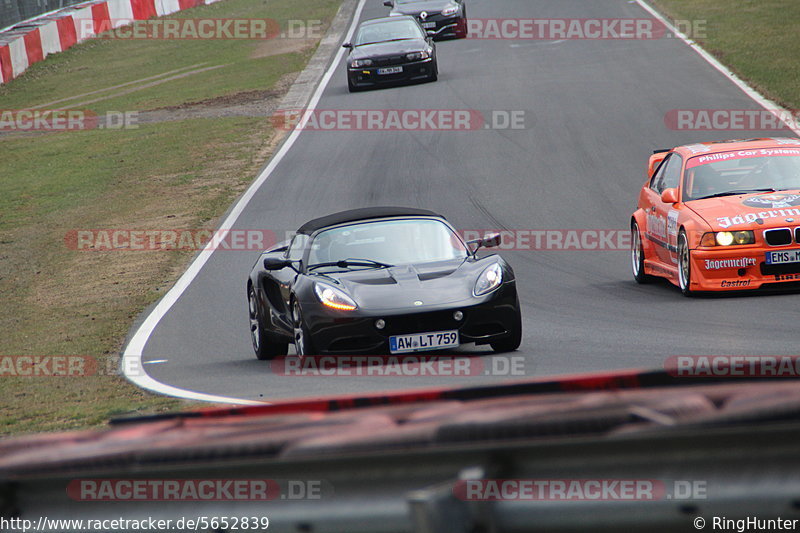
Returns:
(412, 71)
(453, 26)
(740, 268)
(490, 320)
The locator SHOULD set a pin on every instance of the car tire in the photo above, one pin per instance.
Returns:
(637, 256)
(264, 345)
(684, 265)
(512, 342)
(302, 339)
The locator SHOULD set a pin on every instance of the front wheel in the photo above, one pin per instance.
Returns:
(264, 347)
(684, 265)
(302, 340)
(637, 256)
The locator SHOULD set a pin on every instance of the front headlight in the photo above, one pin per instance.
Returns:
(417, 56)
(452, 10)
(334, 298)
(358, 63)
(728, 238)
(489, 280)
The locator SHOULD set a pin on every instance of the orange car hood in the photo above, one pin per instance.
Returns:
(743, 211)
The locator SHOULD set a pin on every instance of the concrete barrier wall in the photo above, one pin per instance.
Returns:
(33, 40)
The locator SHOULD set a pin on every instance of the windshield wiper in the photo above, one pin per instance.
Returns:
(387, 41)
(735, 192)
(345, 263)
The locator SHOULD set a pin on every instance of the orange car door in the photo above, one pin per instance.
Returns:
(661, 217)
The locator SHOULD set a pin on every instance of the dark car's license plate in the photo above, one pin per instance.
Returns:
(416, 342)
(390, 70)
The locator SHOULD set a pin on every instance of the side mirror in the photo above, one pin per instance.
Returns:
(388, 3)
(276, 263)
(347, 45)
(489, 241)
(670, 196)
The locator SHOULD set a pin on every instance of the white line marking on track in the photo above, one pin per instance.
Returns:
(154, 361)
(767, 104)
(132, 356)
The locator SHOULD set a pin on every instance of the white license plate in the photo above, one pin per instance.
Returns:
(429, 25)
(416, 342)
(390, 70)
(784, 256)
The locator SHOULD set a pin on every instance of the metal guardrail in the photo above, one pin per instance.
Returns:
(13, 11)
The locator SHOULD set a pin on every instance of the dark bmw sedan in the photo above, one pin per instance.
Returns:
(390, 50)
(446, 18)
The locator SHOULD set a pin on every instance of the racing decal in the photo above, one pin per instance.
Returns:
(656, 226)
(657, 232)
(738, 262)
(736, 283)
(726, 222)
(698, 148)
(672, 223)
(741, 154)
(773, 201)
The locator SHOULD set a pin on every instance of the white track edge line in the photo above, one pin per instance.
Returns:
(781, 113)
(132, 356)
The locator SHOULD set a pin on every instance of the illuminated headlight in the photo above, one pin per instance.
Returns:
(416, 56)
(358, 63)
(489, 280)
(452, 10)
(728, 238)
(334, 298)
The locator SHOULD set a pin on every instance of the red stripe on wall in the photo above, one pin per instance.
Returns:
(186, 4)
(143, 9)
(101, 18)
(6, 72)
(33, 46)
(66, 32)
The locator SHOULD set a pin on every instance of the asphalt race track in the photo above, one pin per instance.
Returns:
(594, 112)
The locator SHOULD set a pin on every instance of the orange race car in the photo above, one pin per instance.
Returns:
(720, 216)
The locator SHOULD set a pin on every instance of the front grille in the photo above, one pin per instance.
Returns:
(778, 237)
(421, 322)
(781, 268)
(349, 344)
(388, 61)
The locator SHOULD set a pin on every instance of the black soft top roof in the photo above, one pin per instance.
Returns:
(363, 213)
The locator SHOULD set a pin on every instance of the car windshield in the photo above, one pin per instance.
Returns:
(740, 172)
(394, 242)
(388, 31)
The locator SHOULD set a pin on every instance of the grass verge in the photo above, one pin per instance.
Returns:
(756, 39)
(173, 172)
